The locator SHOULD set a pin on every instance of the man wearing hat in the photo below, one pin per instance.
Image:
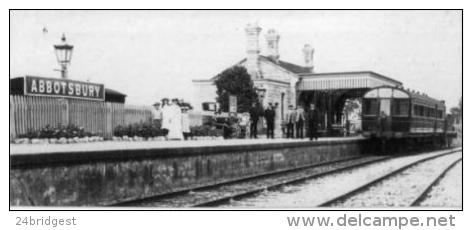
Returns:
(157, 114)
(312, 117)
(290, 121)
(269, 115)
(299, 121)
(254, 115)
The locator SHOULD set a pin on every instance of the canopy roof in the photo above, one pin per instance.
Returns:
(344, 80)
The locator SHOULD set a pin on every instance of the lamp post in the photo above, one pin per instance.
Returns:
(64, 55)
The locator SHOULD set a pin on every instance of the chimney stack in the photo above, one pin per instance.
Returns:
(308, 52)
(272, 38)
(253, 50)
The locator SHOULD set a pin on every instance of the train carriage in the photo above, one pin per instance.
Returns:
(392, 112)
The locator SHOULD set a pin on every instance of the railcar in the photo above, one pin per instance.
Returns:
(395, 113)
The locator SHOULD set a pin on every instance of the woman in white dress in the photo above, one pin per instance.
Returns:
(175, 124)
(166, 116)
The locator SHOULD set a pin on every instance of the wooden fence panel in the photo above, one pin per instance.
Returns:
(136, 114)
(33, 113)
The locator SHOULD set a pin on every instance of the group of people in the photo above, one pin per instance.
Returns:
(297, 118)
(173, 118)
(269, 115)
(294, 119)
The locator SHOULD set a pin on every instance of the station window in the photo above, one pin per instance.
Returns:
(400, 107)
(209, 106)
(371, 107)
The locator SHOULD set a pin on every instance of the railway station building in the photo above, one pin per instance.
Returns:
(283, 83)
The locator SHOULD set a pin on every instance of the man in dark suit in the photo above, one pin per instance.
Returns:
(254, 115)
(300, 121)
(312, 117)
(269, 115)
(290, 121)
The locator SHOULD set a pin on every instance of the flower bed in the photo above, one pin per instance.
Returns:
(205, 131)
(144, 131)
(57, 135)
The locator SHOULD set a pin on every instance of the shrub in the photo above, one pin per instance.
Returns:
(69, 131)
(142, 129)
(205, 130)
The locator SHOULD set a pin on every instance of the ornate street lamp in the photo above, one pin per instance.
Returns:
(64, 55)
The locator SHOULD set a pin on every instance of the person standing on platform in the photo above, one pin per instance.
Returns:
(166, 116)
(185, 123)
(290, 121)
(243, 124)
(157, 114)
(269, 115)
(312, 117)
(175, 127)
(300, 121)
(254, 115)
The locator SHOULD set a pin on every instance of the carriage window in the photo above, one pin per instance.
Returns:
(371, 107)
(440, 114)
(421, 113)
(400, 107)
(385, 106)
(418, 110)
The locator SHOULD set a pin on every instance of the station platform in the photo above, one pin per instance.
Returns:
(19, 149)
(111, 172)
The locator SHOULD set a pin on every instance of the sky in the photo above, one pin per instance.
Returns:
(153, 54)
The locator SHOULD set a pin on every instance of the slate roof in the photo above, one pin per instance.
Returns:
(288, 66)
(296, 69)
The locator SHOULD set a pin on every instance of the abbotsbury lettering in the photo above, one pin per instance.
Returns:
(51, 87)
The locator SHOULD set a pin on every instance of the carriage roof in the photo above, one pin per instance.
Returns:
(398, 92)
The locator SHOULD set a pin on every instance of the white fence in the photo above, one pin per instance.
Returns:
(33, 113)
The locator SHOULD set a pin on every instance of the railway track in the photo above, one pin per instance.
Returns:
(447, 193)
(424, 195)
(223, 193)
(367, 191)
(286, 180)
(215, 194)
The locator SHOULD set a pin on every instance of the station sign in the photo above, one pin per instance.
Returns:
(53, 87)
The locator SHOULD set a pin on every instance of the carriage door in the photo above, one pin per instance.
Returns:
(385, 114)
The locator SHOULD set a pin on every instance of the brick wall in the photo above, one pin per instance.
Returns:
(100, 178)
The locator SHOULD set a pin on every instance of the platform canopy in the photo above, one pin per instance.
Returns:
(344, 80)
